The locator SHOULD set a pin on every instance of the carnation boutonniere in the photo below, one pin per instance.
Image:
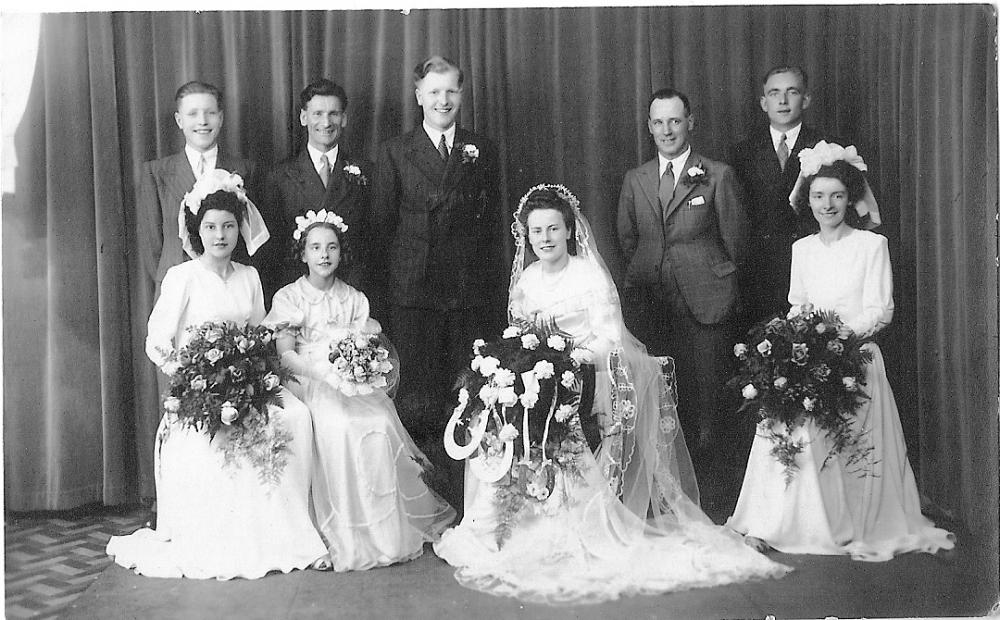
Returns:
(354, 175)
(696, 175)
(470, 153)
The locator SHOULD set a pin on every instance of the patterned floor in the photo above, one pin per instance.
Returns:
(52, 557)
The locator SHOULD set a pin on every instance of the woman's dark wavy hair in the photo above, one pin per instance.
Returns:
(299, 247)
(220, 201)
(550, 199)
(852, 178)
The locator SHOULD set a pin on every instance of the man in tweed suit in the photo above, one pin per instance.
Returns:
(437, 214)
(324, 175)
(683, 230)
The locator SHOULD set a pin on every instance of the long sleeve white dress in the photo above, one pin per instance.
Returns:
(873, 512)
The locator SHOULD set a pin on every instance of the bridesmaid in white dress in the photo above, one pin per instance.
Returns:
(591, 541)
(215, 521)
(371, 505)
(871, 512)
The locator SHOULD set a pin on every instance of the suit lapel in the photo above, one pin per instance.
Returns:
(181, 176)
(649, 181)
(306, 176)
(683, 189)
(456, 170)
(423, 155)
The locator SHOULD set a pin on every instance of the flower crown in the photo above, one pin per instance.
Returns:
(311, 217)
(213, 181)
(517, 228)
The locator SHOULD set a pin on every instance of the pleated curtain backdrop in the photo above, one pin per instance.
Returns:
(563, 92)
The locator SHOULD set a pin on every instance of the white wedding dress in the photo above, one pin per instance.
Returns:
(871, 513)
(583, 545)
(215, 521)
(370, 503)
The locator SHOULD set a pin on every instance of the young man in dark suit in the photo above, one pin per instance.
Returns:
(437, 213)
(767, 164)
(324, 175)
(683, 229)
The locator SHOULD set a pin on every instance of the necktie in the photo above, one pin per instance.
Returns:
(324, 169)
(202, 165)
(666, 189)
(443, 148)
(783, 151)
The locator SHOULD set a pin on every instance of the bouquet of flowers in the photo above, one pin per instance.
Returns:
(225, 378)
(360, 364)
(805, 367)
(518, 416)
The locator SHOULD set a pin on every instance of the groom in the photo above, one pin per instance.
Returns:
(437, 217)
(683, 229)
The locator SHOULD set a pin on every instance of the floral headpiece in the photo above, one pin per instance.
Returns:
(311, 217)
(824, 154)
(517, 228)
(252, 229)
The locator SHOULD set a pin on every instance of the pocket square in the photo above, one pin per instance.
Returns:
(697, 200)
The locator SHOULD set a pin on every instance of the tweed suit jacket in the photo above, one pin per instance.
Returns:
(294, 187)
(162, 186)
(700, 237)
(439, 223)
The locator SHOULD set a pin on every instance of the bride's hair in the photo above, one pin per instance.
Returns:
(547, 198)
(299, 246)
(220, 201)
(852, 178)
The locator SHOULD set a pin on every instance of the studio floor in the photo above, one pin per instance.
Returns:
(56, 568)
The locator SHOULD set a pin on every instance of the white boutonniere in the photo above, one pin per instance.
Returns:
(696, 175)
(354, 174)
(470, 153)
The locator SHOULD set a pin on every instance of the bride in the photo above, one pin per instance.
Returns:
(630, 522)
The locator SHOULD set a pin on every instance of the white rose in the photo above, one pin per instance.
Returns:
(213, 355)
(380, 381)
(463, 397)
(528, 399)
(361, 341)
(530, 341)
(568, 379)
(808, 403)
(564, 412)
(508, 433)
(507, 396)
(581, 356)
(780, 383)
(212, 335)
(764, 347)
(544, 369)
(364, 388)
(694, 171)
(170, 368)
(749, 391)
(478, 344)
(229, 413)
(471, 151)
(488, 394)
(384, 366)
(850, 383)
(271, 381)
(476, 361)
(488, 366)
(740, 350)
(511, 332)
(556, 341)
(172, 404)
(199, 383)
(503, 377)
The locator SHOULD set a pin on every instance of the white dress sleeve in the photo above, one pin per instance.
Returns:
(165, 319)
(602, 316)
(286, 314)
(796, 286)
(876, 294)
(257, 299)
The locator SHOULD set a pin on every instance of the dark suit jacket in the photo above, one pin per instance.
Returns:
(439, 223)
(774, 225)
(702, 235)
(161, 188)
(294, 187)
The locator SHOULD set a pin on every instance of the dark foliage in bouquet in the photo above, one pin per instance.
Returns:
(806, 367)
(225, 377)
(494, 386)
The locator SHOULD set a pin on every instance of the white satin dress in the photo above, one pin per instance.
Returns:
(370, 503)
(585, 546)
(871, 513)
(215, 521)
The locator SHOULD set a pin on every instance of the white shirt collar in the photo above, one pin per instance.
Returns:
(678, 163)
(315, 154)
(435, 135)
(790, 137)
(194, 157)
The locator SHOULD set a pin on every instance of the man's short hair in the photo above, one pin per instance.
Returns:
(797, 70)
(436, 64)
(195, 87)
(670, 93)
(322, 88)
